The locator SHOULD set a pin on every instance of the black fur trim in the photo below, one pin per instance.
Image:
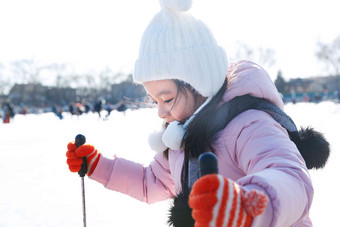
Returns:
(180, 212)
(313, 147)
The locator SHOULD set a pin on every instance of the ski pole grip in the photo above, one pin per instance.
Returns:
(80, 140)
(207, 163)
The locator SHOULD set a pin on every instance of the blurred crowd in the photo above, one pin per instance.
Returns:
(101, 107)
(104, 109)
(314, 97)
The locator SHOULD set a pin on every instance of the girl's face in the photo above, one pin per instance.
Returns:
(173, 104)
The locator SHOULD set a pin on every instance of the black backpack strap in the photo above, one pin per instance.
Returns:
(312, 144)
(240, 104)
(280, 116)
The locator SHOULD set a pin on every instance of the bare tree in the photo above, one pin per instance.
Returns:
(107, 77)
(59, 74)
(263, 56)
(329, 54)
(266, 56)
(4, 82)
(244, 51)
(26, 71)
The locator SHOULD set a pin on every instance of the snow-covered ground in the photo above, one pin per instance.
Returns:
(36, 188)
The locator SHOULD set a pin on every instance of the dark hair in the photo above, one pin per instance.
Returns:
(181, 85)
(201, 130)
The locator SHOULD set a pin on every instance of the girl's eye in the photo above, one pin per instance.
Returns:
(168, 101)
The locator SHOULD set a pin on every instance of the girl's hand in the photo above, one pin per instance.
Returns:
(218, 201)
(75, 154)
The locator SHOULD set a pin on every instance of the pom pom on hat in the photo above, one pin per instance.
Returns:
(176, 5)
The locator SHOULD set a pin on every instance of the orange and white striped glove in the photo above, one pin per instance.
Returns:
(217, 201)
(75, 156)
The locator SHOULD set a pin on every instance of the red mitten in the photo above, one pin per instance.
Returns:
(75, 154)
(217, 201)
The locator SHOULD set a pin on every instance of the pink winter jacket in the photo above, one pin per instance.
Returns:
(253, 150)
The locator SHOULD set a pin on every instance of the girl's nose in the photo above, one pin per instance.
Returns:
(162, 112)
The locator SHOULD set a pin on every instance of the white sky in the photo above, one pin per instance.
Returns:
(92, 34)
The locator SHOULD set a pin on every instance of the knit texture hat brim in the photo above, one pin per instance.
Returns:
(204, 68)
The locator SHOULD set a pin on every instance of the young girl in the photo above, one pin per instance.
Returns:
(263, 179)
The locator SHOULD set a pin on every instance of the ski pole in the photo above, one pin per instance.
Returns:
(207, 164)
(80, 140)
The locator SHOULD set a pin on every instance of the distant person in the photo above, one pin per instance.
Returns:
(23, 110)
(121, 107)
(305, 97)
(8, 112)
(317, 97)
(80, 109)
(325, 94)
(98, 106)
(108, 109)
(293, 95)
(188, 77)
(57, 111)
(87, 107)
(71, 108)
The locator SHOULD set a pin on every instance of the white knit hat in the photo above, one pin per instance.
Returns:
(177, 46)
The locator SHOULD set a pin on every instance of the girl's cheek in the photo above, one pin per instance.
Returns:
(181, 112)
